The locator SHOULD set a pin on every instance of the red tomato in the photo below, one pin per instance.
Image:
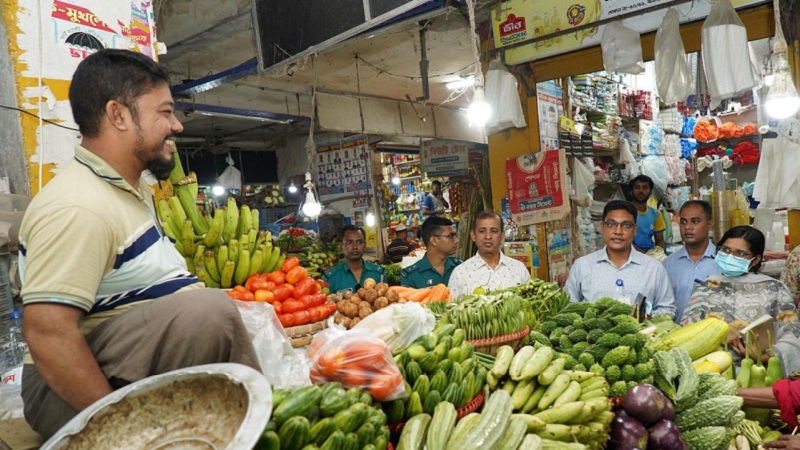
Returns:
(296, 275)
(301, 317)
(278, 307)
(270, 285)
(384, 384)
(282, 293)
(233, 294)
(290, 264)
(306, 300)
(238, 288)
(303, 288)
(324, 311)
(331, 361)
(246, 296)
(331, 307)
(316, 314)
(277, 277)
(262, 283)
(287, 320)
(263, 295)
(318, 299)
(292, 305)
(249, 284)
(315, 287)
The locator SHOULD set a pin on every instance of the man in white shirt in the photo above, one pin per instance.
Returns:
(618, 270)
(489, 269)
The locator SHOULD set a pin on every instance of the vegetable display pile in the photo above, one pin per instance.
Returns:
(553, 403)
(544, 299)
(294, 239)
(646, 421)
(600, 337)
(319, 257)
(273, 197)
(324, 417)
(438, 293)
(698, 339)
(296, 298)
(483, 316)
(352, 308)
(393, 273)
(438, 366)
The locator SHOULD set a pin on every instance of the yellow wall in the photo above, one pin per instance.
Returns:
(759, 22)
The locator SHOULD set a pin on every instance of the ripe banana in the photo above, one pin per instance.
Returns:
(252, 235)
(199, 254)
(214, 233)
(233, 251)
(188, 237)
(261, 238)
(256, 262)
(226, 276)
(243, 267)
(255, 219)
(210, 264)
(231, 220)
(222, 256)
(244, 243)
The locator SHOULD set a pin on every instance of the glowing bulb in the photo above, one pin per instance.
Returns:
(217, 190)
(769, 79)
(292, 189)
(479, 111)
(782, 100)
(370, 219)
(396, 181)
(311, 208)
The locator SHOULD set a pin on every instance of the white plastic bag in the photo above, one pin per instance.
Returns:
(281, 365)
(398, 325)
(726, 57)
(582, 180)
(231, 178)
(656, 168)
(626, 157)
(502, 95)
(673, 78)
(622, 49)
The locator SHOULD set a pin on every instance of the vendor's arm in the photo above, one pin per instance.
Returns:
(61, 354)
(787, 442)
(659, 228)
(761, 397)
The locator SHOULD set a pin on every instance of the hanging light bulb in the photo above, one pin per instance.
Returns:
(217, 190)
(311, 207)
(396, 180)
(479, 110)
(370, 219)
(292, 189)
(782, 100)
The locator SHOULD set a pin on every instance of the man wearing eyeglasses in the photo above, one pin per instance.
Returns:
(695, 261)
(489, 269)
(619, 271)
(350, 274)
(441, 240)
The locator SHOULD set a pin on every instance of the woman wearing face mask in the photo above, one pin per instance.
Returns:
(739, 295)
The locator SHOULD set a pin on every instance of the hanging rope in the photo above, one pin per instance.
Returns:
(475, 44)
(311, 146)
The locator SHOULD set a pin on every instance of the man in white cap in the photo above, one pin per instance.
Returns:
(399, 247)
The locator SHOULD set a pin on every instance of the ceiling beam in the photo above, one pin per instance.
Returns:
(245, 69)
(200, 108)
(207, 38)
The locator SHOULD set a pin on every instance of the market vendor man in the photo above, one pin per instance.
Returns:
(434, 203)
(107, 299)
(650, 225)
(437, 265)
(399, 247)
(350, 274)
(489, 269)
(618, 270)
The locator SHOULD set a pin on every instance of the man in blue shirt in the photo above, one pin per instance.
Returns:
(434, 203)
(695, 261)
(650, 225)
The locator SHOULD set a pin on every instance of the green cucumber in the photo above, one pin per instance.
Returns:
(414, 433)
(294, 433)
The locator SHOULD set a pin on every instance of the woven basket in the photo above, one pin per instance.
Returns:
(489, 346)
(469, 408)
(302, 335)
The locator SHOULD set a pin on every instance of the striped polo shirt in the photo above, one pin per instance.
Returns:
(90, 240)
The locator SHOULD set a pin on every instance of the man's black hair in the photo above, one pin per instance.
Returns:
(701, 203)
(486, 214)
(347, 228)
(431, 226)
(110, 74)
(623, 205)
(642, 179)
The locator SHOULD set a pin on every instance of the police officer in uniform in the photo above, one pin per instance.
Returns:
(441, 240)
(350, 274)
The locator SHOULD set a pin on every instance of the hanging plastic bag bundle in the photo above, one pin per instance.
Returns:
(673, 78)
(726, 56)
(399, 324)
(231, 178)
(582, 181)
(503, 97)
(355, 358)
(622, 49)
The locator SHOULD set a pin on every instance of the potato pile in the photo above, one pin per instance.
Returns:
(352, 308)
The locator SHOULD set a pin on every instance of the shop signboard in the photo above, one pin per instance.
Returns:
(537, 187)
(520, 20)
(444, 158)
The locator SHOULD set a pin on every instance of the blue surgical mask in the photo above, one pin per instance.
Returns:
(732, 266)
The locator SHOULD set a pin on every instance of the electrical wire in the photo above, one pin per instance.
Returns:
(13, 108)
(381, 70)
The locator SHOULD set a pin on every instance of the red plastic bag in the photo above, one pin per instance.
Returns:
(356, 359)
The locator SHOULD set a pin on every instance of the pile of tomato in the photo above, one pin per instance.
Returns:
(296, 298)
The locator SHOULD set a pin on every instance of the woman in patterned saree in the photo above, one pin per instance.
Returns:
(740, 295)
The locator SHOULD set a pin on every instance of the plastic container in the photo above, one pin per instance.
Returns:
(12, 208)
(13, 346)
